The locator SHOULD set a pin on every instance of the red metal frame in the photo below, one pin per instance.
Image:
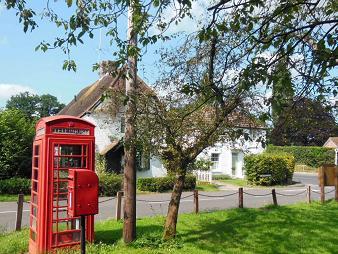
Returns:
(61, 142)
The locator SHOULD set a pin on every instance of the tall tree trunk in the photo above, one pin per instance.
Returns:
(171, 220)
(129, 213)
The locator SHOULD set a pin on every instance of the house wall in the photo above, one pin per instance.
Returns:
(241, 146)
(156, 169)
(107, 128)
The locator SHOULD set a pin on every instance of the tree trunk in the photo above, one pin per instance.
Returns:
(171, 220)
(129, 211)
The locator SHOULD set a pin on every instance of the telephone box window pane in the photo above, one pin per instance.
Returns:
(34, 211)
(35, 199)
(84, 162)
(56, 162)
(33, 235)
(36, 162)
(63, 186)
(75, 224)
(76, 236)
(55, 227)
(35, 186)
(36, 150)
(70, 149)
(35, 174)
(63, 174)
(33, 225)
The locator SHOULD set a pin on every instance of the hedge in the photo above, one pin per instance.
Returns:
(163, 184)
(279, 167)
(110, 184)
(15, 186)
(313, 156)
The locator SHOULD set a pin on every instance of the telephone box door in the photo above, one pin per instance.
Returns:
(66, 230)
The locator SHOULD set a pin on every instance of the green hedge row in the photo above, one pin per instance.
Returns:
(110, 184)
(269, 169)
(313, 156)
(163, 184)
(15, 186)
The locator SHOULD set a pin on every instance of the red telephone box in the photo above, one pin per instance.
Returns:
(62, 143)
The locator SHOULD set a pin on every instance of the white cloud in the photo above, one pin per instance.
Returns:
(8, 90)
(198, 12)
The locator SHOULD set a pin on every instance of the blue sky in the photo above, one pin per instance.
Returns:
(24, 69)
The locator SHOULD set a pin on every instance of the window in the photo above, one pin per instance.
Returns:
(234, 162)
(143, 160)
(215, 160)
(123, 124)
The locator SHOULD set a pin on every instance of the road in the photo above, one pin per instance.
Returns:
(306, 178)
(156, 204)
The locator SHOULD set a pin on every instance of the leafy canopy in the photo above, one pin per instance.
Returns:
(35, 106)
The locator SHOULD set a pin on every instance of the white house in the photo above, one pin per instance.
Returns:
(332, 142)
(227, 157)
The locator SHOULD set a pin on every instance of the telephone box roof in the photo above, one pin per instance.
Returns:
(50, 119)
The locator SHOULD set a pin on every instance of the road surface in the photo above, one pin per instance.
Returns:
(157, 204)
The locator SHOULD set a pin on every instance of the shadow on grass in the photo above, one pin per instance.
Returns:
(300, 228)
(268, 230)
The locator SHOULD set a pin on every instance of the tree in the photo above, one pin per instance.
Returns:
(305, 122)
(35, 106)
(194, 108)
(25, 102)
(282, 89)
(16, 137)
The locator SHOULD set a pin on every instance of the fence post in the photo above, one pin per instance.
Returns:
(309, 194)
(196, 201)
(274, 197)
(322, 193)
(118, 204)
(336, 187)
(19, 212)
(240, 197)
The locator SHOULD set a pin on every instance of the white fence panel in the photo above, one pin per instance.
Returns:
(203, 176)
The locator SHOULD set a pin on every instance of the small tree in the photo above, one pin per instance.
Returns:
(16, 137)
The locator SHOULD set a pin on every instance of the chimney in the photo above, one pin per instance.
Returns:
(107, 67)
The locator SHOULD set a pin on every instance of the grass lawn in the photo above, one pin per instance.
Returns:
(235, 181)
(299, 228)
(206, 187)
(12, 197)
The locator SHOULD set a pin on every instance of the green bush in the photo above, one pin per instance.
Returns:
(279, 167)
(313, 156)
(15, 186)
(163, 184)
(109, 184)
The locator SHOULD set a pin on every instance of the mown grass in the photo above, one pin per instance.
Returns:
(299, 228)
(12, 197)
(235, 181)
(202, 186)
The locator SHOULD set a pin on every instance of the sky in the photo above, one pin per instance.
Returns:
(24, 69)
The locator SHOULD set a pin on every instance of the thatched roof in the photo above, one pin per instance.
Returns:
(89, 97)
